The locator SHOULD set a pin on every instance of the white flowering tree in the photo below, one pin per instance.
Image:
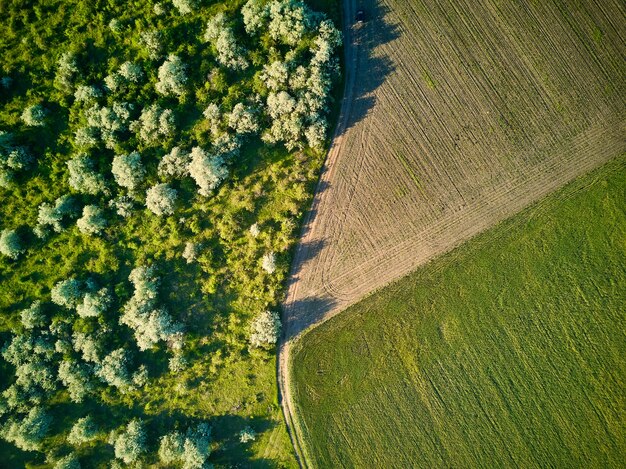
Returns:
(221, 36)
(34, 116)
(128, 170)
(154, 123)
(265, 329)
(131, 444)
(172, 77)
(175, 164)
(83, 176)
(93, 220)
(208, 171)
(161, 199)
(11, 244)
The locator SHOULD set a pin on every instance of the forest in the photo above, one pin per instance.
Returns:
(156, 159)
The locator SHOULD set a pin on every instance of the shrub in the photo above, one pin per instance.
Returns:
(254, 230)
(131, 444)
(83, 431)
(11, 244)
(177, 363)
(93, 220)
(161, 199)
(172, 77)
(128, 170)
(34, 115)
(208, 172)
(83, 177)
(265, 329)
(247, 434)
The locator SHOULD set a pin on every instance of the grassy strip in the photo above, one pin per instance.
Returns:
(507, 351)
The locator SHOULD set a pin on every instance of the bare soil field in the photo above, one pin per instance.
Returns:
(461, 113)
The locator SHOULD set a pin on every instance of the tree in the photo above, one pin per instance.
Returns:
(11, 244)
(131, 444)
(154, 123)
(94, 303)
(207, 171)
(27, 433)
(123, 205)
(185, 7)
(128, 170)
(83, 431)
(83, 176)
(33, 316)
(268, 262)
(69, 461)
(161, 199)
(175, 164)
(67, 68)
(113, 370)
(87, 93)
(265, 329)
(243, 120)
(172, 77)
(255, 15)
(221, 36)
(191, 252)
(34, 116)
(290, 20)
(192, 450)
(88, 346)
(67, 293)
(151, 41)
(54, 215)
(75, 377)
(93, 220)
(131, 72)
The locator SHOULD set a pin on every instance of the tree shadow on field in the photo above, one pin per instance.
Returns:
(301, 314)
(368, 67)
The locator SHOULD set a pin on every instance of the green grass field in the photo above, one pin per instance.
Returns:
(508, 351)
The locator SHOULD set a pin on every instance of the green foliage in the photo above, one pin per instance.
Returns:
(499, 351)
(98, 83)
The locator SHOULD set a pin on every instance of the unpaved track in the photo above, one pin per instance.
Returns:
(457, 114)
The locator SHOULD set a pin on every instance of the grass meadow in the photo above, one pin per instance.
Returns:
(508, 351)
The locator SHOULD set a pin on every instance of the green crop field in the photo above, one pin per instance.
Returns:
(507, 352)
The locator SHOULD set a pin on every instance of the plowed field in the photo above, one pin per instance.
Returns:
(462, 113)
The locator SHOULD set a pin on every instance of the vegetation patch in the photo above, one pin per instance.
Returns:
(505, 352)
(155, 161)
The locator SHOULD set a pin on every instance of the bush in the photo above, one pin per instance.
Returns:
(131, 444)
(247, 434)
(11, 244)
(268, 262)
(191, 252)
(93, 220)
(265, 329)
